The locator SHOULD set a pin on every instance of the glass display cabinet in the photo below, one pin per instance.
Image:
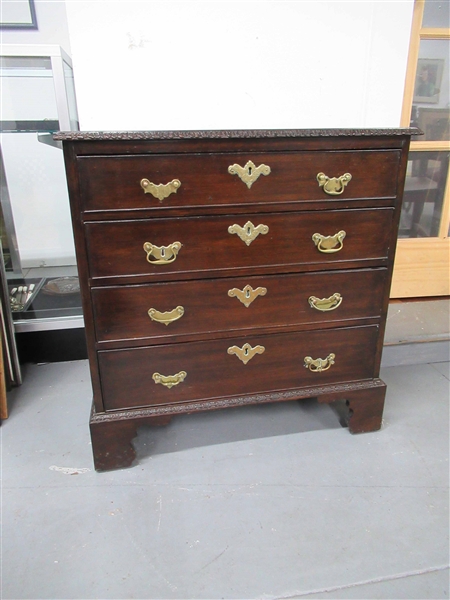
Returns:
(39, 277)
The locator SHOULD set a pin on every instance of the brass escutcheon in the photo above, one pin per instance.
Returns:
(161, 255)
(160, 190)
(245, 353)
(249, 232)
(249, 173)
(166, 317)
(325, 304)
(319, 364)
(247, 295)
(329, 243)
(169, 380)
(334, 186)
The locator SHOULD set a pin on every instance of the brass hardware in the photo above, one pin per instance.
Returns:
(319, 364)
(166, 317)
(334, 186)
(329, 243)
(169, 380)
(249, 232)
(245, 353)
(162, 255)
(325, 304)
(248, 173)
(160, 190)
(248, 294)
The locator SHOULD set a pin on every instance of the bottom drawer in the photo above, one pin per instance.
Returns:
(177, 373)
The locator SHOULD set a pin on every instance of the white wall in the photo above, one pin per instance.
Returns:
(52, 26)
(228, 64)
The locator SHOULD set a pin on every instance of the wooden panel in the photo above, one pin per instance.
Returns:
(422, 268)
(116, 248)
(212, 372)
(113, 183)
(121, 313)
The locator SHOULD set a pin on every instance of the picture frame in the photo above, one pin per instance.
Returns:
(427, 86)
(18, 14)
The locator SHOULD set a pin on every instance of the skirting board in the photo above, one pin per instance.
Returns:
(416, 353)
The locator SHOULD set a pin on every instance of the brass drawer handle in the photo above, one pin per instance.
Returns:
(319, 364)
(160, 190)
(249, 232)
(161, 255)
(169, 380)
(249, 173)
(247, 295)
(334, 186)
(166, 317)
(329, 243)
(325, 304)
(245, 353)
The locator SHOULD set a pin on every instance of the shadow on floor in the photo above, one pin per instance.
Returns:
(238, 424)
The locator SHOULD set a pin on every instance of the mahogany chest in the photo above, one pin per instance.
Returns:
(224, 268)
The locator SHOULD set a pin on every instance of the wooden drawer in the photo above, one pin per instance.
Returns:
(213, 306)
(129, 377)
(114, 182)
(116, 248)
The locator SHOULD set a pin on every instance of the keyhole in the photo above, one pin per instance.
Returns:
(249, 231)
(247, 293)
(246, 352)
(250, 170)
(163, 252)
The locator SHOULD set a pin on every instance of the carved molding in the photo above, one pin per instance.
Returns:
(73, 136)
(219, 403)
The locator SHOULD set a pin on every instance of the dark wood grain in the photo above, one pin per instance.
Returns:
(121, 312)
(112, 444)
(392, 251)
(113, 218)
(364, 407)
(212, 372)
(113, 183)
(116, 248)
(218, 145)
(82, 265)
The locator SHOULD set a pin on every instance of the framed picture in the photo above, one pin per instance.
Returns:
(18, 14)
(428, 80)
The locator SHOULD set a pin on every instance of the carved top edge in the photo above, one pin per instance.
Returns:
(74, 136)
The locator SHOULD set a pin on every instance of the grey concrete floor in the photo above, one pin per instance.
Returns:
(264, 502)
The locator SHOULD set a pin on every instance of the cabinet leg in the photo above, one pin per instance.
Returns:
(112, 439)
(111, 444)
(360, 410)
(366, 409)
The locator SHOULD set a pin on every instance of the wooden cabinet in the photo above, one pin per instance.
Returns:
(226, 268)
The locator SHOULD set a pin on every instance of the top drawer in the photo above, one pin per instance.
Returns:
(211, 180)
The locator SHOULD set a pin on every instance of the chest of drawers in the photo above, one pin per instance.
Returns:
(224, 268)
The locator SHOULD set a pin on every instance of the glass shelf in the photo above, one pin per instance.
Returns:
(50, 302)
